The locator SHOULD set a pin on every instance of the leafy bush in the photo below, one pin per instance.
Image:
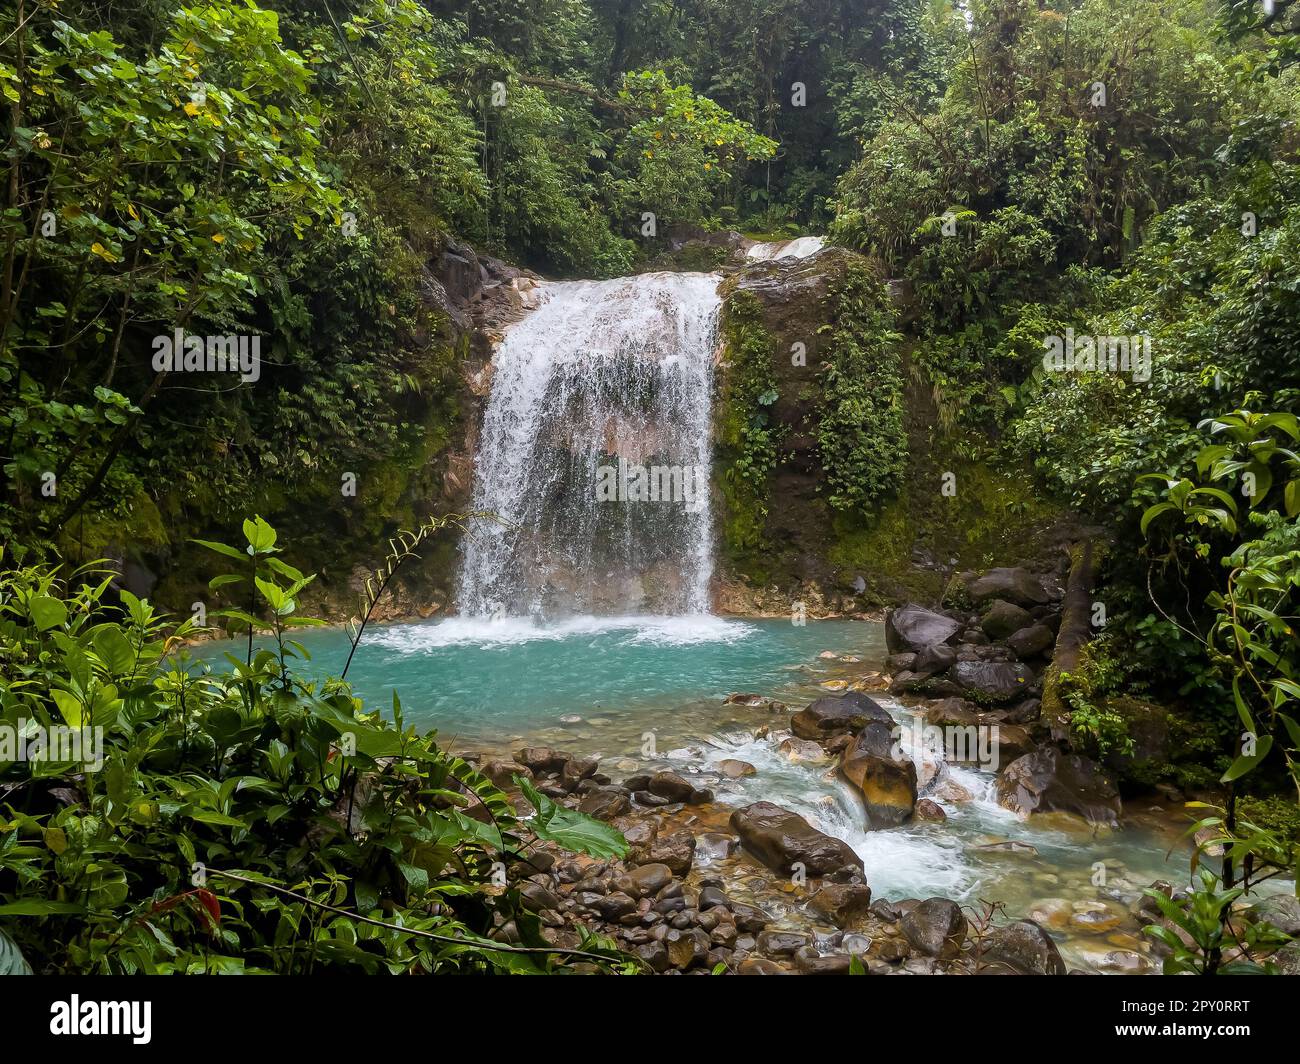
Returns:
(249, 820)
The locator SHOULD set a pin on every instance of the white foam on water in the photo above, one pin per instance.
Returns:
(799, 248)
(685, 630)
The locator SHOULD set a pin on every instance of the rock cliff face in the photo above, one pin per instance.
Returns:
(941, 512)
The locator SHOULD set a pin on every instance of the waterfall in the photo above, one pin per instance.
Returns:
(594, 454)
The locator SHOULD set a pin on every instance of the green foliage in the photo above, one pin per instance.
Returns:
(860, 420)
(1203, 917)
(249, 820)
(684, 151)
(747, 435)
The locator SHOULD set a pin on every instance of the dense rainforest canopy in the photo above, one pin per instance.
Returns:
(288, 169)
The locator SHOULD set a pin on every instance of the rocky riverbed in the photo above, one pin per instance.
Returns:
(724, 873)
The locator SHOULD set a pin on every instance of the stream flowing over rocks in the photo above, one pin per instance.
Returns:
(717, 879)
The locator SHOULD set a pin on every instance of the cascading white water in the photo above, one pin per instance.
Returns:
(600, 397)
(798, 248)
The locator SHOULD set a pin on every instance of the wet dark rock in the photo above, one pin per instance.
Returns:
(885, 911)
(1011, 742)
(537, 896)
(1023, 712)
(711, 896)
(913, 628)
(1002, 618)
(781, 839)
(686, 946)
(749, 918)
(1023, 947)
(810, 962)
(502, 773)
(831, 716)
(1281, 911)
(655, 954)
(928, 809)
(677, 851)
(900, 662)
(605, 803)
(841, 904)
(1015, 585)
(887, 783)
(759, 966)
(650, 878)
(1032, 641)
(935, 659)
(713, 845)
(1048, 780)
(952, 711)
(577, 769)
(612, 906)
(781, 943)
(671, 786)
(935, 927)
(541, 759)
(650, 801)
(992, 681)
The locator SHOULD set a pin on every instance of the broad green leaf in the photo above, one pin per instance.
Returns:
(1244, 764)
(47, 612)
(114, 650)
(569, 828)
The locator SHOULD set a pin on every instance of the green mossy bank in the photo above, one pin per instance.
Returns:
(838, 483)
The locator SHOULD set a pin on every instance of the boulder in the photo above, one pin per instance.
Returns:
(782, 839)
(1016, 585)
(992, 681)
(938, 658)
(1280, 910)
(887, 783)
(1024, 948)
(935, 927)
(677, 851)
(952, 711)
(781, 943)
(1048, 780)
(655, 954)
(1287, 959)
(830, 716)
(841, 903)
(734, 769)
(1023, 712)
(650, 878)
(714, 845)
(802, 750)
(912, 627)
(808, 961)
(605, 803)
(1031, 641)
(1002, 618)
(1011, 742)
(900, 662)
(671, 786)
(926, 809)
(541, 758)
